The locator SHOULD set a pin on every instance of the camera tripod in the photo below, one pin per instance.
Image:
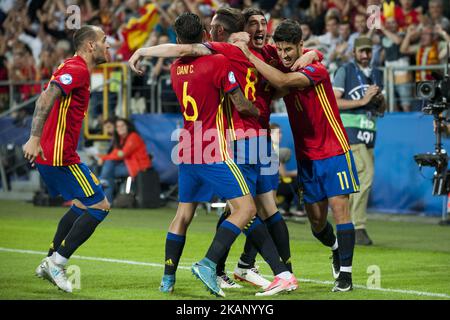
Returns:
(438, 160)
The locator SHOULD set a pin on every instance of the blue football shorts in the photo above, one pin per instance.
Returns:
(72, 182)
(258, 162)
(326, 178)
(200, 182)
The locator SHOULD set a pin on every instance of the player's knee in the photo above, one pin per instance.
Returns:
(184, 219)
(100, 210)
(317, 224)
(98, 214)
(103, 205)
(77, 203)
(184, 216)
(340, 210)
(248, 210)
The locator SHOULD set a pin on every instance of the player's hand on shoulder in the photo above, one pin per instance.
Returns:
(32, 148)
(239, 37)
(134, 61)
(304, 60)
(242, 43)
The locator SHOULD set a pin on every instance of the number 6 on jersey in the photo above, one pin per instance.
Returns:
(187, 99)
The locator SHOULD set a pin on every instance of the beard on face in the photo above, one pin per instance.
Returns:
(101, 56)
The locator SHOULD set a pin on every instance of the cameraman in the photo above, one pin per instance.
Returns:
(357, 87)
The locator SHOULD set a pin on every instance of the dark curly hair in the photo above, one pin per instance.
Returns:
(288, 31)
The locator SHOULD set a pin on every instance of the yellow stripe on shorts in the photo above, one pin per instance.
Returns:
(238, 175)
(84, 183)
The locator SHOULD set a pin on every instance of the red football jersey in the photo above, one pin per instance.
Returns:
(314, 117)
(200, 84)
(250, 81)
(61, 131)
(266, 91)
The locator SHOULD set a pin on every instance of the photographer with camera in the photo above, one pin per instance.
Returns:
(357, 87)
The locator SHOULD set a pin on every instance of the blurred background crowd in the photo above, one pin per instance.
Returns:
(34, 38)
(409, 45)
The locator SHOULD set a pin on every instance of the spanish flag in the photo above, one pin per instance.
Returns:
(138, 30)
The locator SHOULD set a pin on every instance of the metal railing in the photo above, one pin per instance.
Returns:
(107, 69)
(14, 105)
(160, 102)
(389, 80)
(123, 96)
(157, 102)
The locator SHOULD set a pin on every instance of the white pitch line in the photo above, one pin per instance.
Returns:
(158, 265)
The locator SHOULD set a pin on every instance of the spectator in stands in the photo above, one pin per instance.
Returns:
(161, 67)
(330, 40)
(109, 127)
(131, 10)
(47, 64)
(317, 11)
(429, 50)
(164, 27)
(357, 87)
(436, 13)
(406, 15)
(309, 40)
(392, 57)
(23, 69)
(4, 89)
(128, 157)
(361, 29)
(63, 50)
(289, 9)
(342, 52)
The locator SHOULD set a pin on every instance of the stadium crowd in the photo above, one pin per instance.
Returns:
(34, 38)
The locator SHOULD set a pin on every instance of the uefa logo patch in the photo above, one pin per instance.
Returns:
(66, 79)
(231, 77)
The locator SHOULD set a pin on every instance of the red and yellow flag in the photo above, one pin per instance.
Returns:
(138, 30)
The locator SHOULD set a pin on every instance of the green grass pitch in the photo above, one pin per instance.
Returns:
(413, 258)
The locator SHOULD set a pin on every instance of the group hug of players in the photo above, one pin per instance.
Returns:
(226, 85)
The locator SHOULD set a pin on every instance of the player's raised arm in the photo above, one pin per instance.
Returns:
(308, 57)
(167, 50)
(44, 105)
(277, 78)
(242, 104)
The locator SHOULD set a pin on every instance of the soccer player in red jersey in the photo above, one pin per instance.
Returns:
(247, 130)
(197, 82)
(325, 163)
(267, 183)
(52, 145)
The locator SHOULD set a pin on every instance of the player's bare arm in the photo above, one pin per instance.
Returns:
(306, 59)
(242, 104)
(44, 105)
(167, 50)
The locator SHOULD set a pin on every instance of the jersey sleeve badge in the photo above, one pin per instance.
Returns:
(66, 79)
(231, 77)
